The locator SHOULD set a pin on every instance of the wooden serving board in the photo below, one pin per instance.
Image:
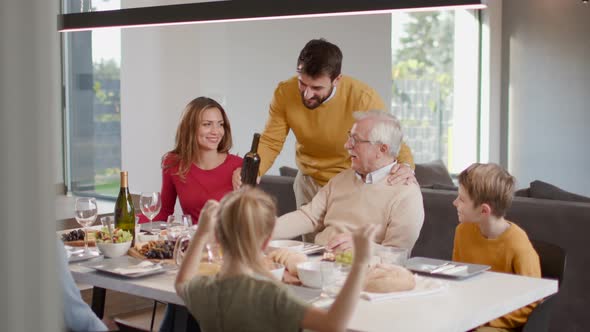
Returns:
(133, 252)
(80, 243)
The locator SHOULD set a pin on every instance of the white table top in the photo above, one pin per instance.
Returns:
(464, 305)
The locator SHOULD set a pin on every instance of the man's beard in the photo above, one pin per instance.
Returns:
(316, 101)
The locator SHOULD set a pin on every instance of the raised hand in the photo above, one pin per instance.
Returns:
(363, 239)
(209, 217)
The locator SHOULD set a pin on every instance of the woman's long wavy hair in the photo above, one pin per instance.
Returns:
(246, 220)
(186, 147)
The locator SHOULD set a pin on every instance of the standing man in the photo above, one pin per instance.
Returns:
(317, 105)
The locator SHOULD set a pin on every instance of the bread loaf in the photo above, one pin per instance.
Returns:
(386, 278)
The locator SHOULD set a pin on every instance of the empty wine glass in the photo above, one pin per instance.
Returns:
(177, 226)
(150, 204)
(85, 211)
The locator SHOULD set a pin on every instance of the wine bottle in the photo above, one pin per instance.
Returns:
(251, 163)
(124, 210)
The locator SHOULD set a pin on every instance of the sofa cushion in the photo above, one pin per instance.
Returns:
(440, 187)
(540, 189)
(431, 173)
(288, 171)
(524, 192)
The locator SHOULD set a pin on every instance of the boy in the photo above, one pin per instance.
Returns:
(483, 236)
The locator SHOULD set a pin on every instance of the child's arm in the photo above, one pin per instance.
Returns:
(192, 259)
(336, 319)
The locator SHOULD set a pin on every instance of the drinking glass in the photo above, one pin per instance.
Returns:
(178, 225)
(85, 211)
(150, 204)
(329, 275)
(393, 255)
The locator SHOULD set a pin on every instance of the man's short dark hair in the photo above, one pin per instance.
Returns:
(320, 57)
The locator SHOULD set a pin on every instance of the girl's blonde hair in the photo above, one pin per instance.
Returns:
(246, 219)
(186, 147)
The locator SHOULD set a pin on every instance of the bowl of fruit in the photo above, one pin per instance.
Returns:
(115, 243)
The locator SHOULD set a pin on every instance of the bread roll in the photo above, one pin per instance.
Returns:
(386, 278)
(288, 257)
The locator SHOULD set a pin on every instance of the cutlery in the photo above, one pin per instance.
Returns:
(442, 267)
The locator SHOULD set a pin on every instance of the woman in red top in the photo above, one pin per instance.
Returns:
(200, 166)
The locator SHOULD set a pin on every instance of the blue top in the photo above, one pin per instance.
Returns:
(77, 314)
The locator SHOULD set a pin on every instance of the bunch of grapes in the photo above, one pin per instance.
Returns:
(161, 250)
(74, 235)
(344, 257)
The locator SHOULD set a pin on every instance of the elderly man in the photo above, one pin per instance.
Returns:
(361, 195)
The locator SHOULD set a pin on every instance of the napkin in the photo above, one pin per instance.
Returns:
(145, 266)
(424, 286)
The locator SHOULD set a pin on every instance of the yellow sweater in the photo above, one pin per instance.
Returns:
(321, 132)
(511, 252)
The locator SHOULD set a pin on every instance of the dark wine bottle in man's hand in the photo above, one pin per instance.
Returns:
(251, 163)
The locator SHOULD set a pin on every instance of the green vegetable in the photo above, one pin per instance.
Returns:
(344, 257)
(119, 236)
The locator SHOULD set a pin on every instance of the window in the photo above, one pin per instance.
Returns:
(435, 84)
(93, 107)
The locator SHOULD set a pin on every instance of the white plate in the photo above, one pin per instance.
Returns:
(77, 254)
(287, 244)
(121, 266)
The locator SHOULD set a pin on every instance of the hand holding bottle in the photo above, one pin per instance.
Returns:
(236, 179)
(251, 164)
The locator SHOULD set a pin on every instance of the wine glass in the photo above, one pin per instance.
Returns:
(178, 225)
(85, 211)
(150, 204)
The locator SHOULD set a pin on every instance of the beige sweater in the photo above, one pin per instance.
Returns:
(346, 203)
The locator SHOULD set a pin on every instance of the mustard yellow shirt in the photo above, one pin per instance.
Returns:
(511, 252)
(321, 132)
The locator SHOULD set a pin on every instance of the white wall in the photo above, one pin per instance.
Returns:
(238, 64)
(547, 60)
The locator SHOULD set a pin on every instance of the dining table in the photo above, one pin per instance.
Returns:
(461, 305)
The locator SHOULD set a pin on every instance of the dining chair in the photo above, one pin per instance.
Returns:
(553, 261)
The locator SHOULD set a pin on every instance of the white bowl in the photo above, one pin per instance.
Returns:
(277, 270)
(113, 249)
(310, 273)
(288, 244)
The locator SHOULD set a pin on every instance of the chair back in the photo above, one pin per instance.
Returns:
(553, 260)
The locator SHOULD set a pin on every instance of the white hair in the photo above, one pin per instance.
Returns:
(386, 129)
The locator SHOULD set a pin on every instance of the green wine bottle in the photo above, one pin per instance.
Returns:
(124, 210)
(251, 163)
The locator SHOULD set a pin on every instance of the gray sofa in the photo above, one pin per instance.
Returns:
(566, 224)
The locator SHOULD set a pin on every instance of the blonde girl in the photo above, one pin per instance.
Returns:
(243, 296)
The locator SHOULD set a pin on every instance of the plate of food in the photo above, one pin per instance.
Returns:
(75, 237)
